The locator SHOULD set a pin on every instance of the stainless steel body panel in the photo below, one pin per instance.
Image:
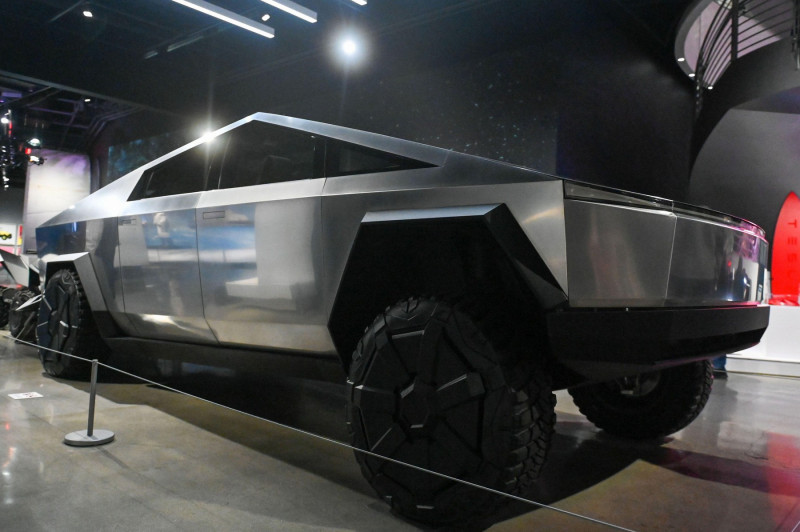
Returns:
(160, 268)
(622, 256)
(261, 266)
(713, 263)
(617, 256)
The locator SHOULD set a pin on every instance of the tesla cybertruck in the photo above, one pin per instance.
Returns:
(451, 293)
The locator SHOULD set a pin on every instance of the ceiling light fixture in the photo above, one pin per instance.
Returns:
(360, 2)
(228, 16)
(88, 13)
(293, 9)
(349, 47)
(681, 59)
(265, 17)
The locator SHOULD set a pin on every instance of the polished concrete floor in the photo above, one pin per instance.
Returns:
(181, 464)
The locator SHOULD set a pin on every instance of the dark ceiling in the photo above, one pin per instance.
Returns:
(158, 54)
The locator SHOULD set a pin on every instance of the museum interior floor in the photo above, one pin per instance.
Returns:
(179, 463)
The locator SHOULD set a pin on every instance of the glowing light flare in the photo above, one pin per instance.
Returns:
(349, 48)
(208, 136)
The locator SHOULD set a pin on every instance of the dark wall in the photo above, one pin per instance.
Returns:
(572, 88)
(748, 166)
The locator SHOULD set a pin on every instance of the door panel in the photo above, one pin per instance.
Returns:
(160, 271)
(261, 263)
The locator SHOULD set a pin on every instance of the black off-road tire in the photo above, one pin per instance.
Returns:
(66, 324)
(650, 405)
(5, 306)
(21, 322)
(429, 385)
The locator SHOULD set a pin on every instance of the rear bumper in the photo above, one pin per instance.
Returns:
(602, 344)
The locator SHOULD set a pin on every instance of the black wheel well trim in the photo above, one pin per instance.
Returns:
(81, 264)
(495, 221)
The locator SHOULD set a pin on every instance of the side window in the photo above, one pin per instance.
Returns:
(181, 174)
(343, 158)
(260, 153)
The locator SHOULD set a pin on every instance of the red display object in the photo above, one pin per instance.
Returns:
(786, 254)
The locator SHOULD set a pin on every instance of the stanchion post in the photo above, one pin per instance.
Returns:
(88, 438)
(92, 393)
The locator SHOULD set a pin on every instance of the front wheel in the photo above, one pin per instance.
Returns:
(649, 405)
(66, 325)
(429, 387)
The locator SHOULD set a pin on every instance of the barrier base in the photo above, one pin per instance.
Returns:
(82, 439)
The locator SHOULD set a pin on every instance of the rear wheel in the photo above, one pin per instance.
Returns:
(649, 405)
(66, 326)
(428, 387)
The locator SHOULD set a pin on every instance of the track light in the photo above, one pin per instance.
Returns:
(294, 9)
(228, 16)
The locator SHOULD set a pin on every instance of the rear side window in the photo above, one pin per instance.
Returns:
(343, 158)
(184, 173)
(260, 153)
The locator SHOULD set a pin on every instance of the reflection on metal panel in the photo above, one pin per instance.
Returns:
(620, 256)
(261, 266)
(713, 263)
(617, 256)
(160, 272)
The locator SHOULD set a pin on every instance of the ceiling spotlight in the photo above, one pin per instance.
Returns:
(87, 100)
(681, 59)
(349, 47)
(360, 2)
(87, 11)
(265, 17)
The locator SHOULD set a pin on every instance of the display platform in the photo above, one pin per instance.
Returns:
(779, 350)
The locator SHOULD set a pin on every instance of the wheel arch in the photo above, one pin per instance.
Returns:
(466, 250)
(81, 263)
